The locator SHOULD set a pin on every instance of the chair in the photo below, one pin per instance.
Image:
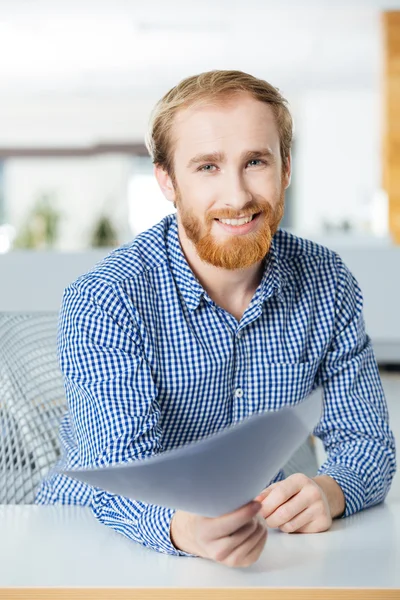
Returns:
(32, 402)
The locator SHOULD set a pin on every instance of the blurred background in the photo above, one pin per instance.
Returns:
(78, 80)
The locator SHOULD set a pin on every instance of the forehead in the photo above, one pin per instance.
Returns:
(224, 124)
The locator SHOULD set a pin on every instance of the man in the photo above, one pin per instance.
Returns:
(211, 316)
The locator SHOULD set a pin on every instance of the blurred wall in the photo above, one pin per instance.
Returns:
(338, 158)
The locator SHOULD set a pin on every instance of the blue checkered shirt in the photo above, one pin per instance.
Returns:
(150, 362)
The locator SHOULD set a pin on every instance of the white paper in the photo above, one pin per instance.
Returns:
(217, 474)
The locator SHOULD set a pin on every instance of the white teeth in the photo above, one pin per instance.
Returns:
(242, 221)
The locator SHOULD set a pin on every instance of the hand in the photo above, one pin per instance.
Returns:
(302, 505)
(236, 539)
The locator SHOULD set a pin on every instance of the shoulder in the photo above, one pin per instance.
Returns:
(111, 282)
(146, 252)
(315, 265)
(292, 247)
(304, 258)
(131, 261)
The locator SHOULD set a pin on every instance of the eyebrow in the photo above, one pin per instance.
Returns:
(220, 156)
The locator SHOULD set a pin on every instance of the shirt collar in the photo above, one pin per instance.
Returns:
(188, 284)
(273, 279)
(275, 274)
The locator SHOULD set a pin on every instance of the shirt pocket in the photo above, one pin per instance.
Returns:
(283, 384)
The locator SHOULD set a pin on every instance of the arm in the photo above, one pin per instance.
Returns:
(115, 414)
(355, 426)
(354, 429)
(113, 404)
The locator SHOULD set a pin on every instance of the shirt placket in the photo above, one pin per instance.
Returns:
(240, 409)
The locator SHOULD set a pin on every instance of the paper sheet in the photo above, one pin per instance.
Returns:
(217, 474)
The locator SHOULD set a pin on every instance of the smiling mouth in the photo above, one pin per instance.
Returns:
(238, 222)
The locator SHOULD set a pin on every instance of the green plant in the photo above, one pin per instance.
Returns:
(41, 226)
(104, 233)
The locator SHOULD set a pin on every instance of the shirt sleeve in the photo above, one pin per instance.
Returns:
(355, 424)
(112, 399)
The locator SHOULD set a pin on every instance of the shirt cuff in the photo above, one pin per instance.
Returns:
(155, 524)
(351, 485)
(148, 524)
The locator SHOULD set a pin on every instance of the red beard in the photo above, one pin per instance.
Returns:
(239, 251)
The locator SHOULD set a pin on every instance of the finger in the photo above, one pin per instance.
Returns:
(316, 525)
(225, 546)
(283, 491)
(239, 537)
(302, 519)
(265, 493)
(230, 523)
(248, 553)
(287, 511)
(255, 553)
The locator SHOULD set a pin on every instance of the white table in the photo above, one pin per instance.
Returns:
(65, 549)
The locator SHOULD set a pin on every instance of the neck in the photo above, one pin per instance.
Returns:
(230, 289)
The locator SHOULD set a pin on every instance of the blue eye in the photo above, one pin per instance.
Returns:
(206, 168)
(256, 160)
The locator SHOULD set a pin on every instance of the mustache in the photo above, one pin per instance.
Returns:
(248, 211)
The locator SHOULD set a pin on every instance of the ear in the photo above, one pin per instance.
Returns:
(165, 183)
(287, 174)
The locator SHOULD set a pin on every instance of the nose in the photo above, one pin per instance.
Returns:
(237, 195)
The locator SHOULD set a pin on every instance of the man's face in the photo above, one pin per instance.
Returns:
(227, 166)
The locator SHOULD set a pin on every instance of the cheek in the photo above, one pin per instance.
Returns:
(198, 196)
(269, 189)
(268, 183)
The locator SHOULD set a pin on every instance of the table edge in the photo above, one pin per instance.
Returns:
(288, 593)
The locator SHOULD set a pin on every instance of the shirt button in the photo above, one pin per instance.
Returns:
(238, 392)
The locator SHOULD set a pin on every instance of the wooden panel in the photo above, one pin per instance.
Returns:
(203, 594)
(391, 133)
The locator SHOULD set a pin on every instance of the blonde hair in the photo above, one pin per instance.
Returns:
(212, 85)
